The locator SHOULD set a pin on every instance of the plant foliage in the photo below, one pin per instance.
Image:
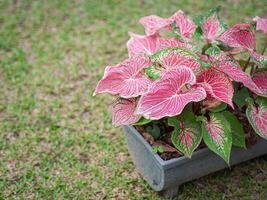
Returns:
(180, 62)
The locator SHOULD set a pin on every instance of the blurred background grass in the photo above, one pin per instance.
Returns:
(56, 140)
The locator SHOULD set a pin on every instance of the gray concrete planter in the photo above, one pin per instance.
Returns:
(167, 176)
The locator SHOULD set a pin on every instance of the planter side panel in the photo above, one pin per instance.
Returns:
(145, 163)
(206, 163)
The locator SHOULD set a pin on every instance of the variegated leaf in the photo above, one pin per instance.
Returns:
(125, 79)
(186, 135)
(153, 24)
(257, 116)
(234, 71)
(173, 42)
(217, 135)
(217, 85)
(211, 27)
(260, 79)
(167, 97)
(177, 56)
(239, 36)
(185, 26)
(122, 111)
(142, 44)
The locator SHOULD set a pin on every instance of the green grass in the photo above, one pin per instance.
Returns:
(56, 140)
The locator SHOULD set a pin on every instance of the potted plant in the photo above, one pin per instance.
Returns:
(190, 86)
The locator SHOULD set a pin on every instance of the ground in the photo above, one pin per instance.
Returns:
(56, 139)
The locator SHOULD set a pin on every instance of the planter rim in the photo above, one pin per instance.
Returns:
(166, 164)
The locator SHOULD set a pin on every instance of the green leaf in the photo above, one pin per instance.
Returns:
(154, 130)
(217, 135)
(213, 51)
(198, 33)
(257, 116)
(160, 55)
(186, 136)
(153, 72)
(240, 97)
(218, 108)
(261, 101)
(187, 114)
(238, 136)
(143, 121)
(157, 149)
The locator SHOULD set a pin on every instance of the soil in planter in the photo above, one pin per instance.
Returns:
(169, 151)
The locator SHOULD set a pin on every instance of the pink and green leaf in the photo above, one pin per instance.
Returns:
(257, 116)
(122, 111)
(185, 26)
(177, 56)
(217, 135)
(142, 44)
(217, 85)
(168, 96)
(239, 36)
(125, 79)
(234, 71)
(210, 25)
(260, 79)
(186, 135)
(153, 24)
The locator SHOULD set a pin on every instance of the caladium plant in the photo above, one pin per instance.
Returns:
(193, 76)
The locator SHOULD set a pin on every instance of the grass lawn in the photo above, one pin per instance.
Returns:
(56, 140)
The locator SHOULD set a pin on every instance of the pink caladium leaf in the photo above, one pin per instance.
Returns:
(122, 111)
(211, 27)
(177, 56)
(142, 44)
(153, 24)
(168, 97)
(234, 71)
(217, 85)
(185, 26)
(242, 36)
(176, 60)
(239, 36)
(125, 79)
(257, 116)
(172, 42)
(261, 24)
(186, 135)
(260, 79)
(217, 135)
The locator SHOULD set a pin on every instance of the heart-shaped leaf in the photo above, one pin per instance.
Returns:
(166, 97)
(122, 111)
(217, 135)
(177, 56)
(186, 136)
